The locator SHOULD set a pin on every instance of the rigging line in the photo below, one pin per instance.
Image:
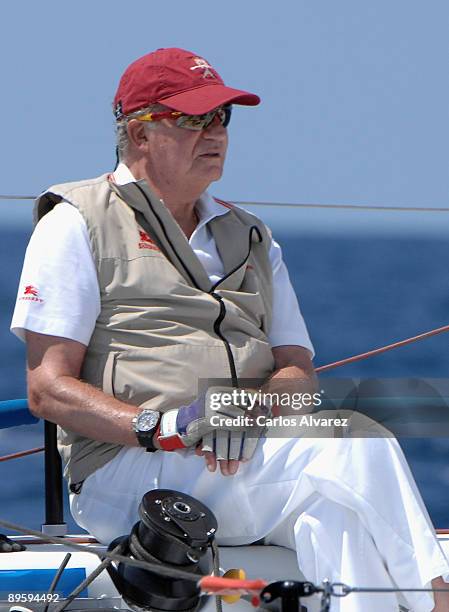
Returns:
(156, 568)
(17, 197)
(360, 207)
(153, 567)
(57, 576)
(349, 590)
(383, 349)
(24, 453)
(203, 580)
(90, 578)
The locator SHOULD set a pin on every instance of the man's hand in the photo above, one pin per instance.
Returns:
(241, 449)
(227, 468)
(294, 372)
(222, 431)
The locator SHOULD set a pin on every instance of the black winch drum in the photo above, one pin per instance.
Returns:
(174, 530)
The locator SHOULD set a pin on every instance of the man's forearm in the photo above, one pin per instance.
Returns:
(290, 384)
(294, 375)
(84, 409)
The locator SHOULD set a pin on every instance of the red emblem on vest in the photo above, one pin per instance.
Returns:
(145, 242)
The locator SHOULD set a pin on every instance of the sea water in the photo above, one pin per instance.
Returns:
(356, 293)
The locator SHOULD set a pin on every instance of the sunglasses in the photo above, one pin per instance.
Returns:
(192, 122)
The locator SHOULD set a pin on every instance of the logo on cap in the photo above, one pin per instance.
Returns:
(203, 65)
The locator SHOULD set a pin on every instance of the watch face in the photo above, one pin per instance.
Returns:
(147, 421)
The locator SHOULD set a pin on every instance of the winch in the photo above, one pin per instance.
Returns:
(174, 530)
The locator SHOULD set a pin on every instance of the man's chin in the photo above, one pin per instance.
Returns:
(213, 173)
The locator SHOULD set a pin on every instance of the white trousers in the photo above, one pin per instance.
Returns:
(349, 507)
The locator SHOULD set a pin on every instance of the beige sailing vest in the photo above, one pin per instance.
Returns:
(163, 326)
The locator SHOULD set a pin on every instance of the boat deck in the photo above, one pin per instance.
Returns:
(26, 573)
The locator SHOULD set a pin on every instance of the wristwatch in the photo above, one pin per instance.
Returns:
(145, 425)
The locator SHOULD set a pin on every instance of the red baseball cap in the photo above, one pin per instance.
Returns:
(178, 79)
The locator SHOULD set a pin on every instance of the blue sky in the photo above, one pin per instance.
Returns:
(355, 98)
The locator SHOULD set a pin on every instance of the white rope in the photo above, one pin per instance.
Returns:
(361, 207)
(16, 197)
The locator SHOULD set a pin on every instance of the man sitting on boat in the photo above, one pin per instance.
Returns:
(137, 286)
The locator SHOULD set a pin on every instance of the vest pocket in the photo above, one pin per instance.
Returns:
(163, 377)
(108, 374)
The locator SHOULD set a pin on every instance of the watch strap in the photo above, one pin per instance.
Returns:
(146, 440)
(167, 434)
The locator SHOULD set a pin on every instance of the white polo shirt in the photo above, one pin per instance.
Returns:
(59, 295)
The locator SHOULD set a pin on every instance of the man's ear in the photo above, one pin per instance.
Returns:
(137, 134)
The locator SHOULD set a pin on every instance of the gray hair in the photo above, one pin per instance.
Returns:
(121, 128)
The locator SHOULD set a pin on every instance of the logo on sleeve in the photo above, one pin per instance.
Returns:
(31, 294)
(145, 242)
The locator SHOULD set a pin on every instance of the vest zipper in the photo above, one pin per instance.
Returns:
(217, 330)
(221, 316)
(212, 293)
